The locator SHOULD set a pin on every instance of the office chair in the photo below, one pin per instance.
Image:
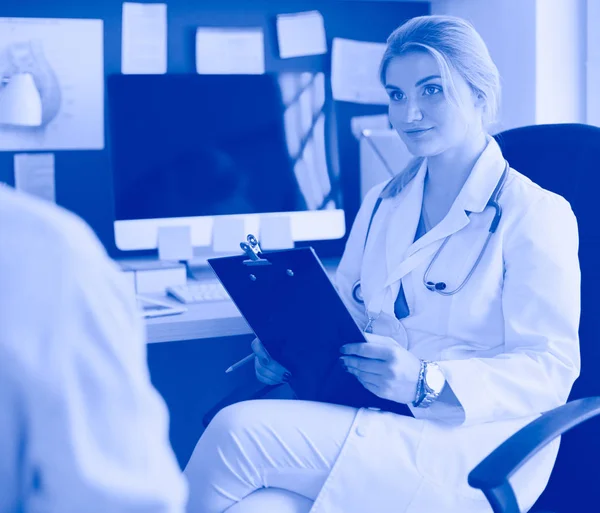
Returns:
(562, 158)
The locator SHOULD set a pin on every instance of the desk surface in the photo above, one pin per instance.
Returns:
(208, 319)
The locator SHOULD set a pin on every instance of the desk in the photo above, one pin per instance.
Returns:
(204, 320)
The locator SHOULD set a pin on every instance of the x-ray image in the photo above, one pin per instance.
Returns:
(54, 66)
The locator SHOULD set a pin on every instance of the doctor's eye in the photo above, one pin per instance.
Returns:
(396, 96)
(430, 90)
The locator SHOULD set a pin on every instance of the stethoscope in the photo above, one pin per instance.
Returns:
(440, 287)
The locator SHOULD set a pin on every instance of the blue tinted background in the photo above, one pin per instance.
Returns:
(83, 179)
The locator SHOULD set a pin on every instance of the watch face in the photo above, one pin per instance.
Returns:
(434, 377)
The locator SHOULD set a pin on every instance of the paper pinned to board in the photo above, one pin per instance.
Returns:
(301, 34)
(355, 72)
(226, 51)
(144, 39)
(66, 60)
(372, 122)
(34, 174)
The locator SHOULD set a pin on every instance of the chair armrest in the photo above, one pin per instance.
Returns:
(245, 392)
(492, 474)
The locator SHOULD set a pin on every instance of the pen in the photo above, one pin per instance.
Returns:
(240, 363)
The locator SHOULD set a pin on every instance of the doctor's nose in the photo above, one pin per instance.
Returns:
(412, 113)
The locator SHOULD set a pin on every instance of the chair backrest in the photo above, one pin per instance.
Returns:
(565, 159)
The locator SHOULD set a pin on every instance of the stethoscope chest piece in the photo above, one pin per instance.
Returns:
(357, 293)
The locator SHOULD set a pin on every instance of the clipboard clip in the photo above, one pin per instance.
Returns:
(253, 251)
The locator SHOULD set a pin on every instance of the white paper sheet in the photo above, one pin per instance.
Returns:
(224, 51)
(355, 72)
(66, 59)
(144, 39)
(276, 232)
(227, 233)
(175, 242)
(34, 174)
(301, 34)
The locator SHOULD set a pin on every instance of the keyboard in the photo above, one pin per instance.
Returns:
(198, 292)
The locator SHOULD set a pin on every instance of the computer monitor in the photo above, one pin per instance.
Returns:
(186, 148)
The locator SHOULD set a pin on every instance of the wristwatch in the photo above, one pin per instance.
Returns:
(430, 385)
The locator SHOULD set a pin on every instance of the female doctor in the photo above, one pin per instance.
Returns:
(469, 283)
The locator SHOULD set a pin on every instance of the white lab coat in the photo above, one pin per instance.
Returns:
(81, 427)
(507, 342)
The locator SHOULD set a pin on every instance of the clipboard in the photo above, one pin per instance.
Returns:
(288, 300)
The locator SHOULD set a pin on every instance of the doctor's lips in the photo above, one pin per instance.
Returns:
(416, 132)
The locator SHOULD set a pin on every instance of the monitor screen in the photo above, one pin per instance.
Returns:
(186, 146)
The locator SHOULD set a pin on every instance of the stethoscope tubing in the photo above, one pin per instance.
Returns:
(357, 296)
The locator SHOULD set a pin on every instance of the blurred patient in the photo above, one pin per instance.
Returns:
(81, 427)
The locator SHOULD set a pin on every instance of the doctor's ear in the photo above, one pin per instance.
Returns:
(480, 100)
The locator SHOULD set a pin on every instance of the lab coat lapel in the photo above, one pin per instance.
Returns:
(473, 197)
(454, 221)
(392, 233)
(403, 220)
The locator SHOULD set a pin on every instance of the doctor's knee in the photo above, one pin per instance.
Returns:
(235, 418)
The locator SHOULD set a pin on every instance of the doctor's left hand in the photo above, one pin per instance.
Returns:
(383, 367)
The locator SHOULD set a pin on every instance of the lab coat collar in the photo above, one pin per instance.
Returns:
(402, 254)
(483, 179)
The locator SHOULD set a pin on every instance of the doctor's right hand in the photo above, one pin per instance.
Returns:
(268, 371)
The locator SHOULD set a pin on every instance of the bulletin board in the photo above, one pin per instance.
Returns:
(83, 177)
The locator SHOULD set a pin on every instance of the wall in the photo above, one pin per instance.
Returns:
(539, 48)
(560, 64)
(593, 62)
(508, 28)
(83, 182)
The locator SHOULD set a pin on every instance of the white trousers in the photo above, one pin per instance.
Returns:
(266, 455)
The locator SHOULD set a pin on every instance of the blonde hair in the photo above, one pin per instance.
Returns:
(454, 44)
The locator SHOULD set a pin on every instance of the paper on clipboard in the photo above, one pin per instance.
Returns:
(301, 34)
(226, 51)
(144, 38)
(355, 72)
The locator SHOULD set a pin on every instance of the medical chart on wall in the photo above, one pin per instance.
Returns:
(144, 39)
(355, 72)
(66, 60)
(224, 51)
(301, 34)
(34, 174)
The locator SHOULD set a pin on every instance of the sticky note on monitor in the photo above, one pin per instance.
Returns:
(276, 232)
(175, 242)
(227, 234)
